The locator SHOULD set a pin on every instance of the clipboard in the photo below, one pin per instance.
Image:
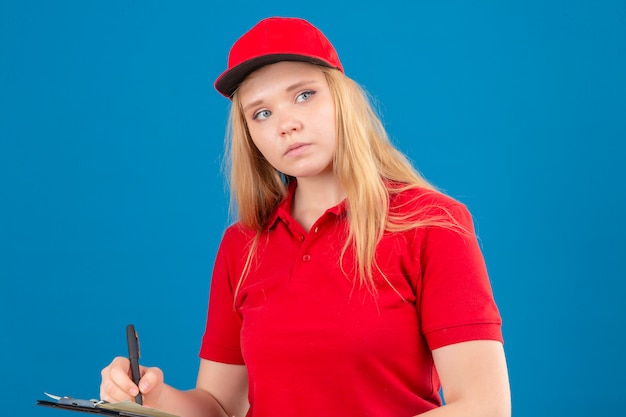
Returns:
(108, 409)
(118, 409)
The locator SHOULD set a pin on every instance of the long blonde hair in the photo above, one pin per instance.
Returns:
(365, 163)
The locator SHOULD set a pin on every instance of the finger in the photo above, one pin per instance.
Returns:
(116, 384)
(150, 378)
(112, 393)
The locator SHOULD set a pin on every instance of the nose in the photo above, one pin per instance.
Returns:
(289, 123)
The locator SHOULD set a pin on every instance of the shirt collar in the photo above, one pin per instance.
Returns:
(283, 210)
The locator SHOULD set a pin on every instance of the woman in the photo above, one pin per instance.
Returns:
(348, 286)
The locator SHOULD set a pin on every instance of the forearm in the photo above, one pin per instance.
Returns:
(474, 379)
(495, 409)
(192, 403)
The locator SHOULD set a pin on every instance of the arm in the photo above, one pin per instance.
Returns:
(221, 389)
(474, 379)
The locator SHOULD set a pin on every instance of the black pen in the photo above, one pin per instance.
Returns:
(133, 355)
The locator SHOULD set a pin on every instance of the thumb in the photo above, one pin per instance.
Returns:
(151, 378)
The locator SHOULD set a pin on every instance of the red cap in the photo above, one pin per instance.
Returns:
(273, 40)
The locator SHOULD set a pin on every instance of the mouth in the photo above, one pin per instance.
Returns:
(296, 148)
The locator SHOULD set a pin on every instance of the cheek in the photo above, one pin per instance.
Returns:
(330, 129)
(257, 136)
(262, 143)
(327, 112)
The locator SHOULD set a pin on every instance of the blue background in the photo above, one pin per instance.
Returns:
(112, 200)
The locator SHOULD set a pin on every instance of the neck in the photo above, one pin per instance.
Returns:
(314, 196)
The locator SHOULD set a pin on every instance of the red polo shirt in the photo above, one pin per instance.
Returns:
(314, 344)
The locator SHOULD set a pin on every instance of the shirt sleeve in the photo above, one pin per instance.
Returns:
(457, 302)
(221, 340)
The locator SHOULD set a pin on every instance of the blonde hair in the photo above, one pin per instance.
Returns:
(365, 162)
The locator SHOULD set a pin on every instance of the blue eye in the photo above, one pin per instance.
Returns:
(263, 114)
(304, 96)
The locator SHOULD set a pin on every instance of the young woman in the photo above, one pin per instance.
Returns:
(348, 286)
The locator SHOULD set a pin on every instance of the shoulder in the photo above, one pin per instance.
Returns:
(233, 248)
(420, 203)
(402, 193)
(236, 236)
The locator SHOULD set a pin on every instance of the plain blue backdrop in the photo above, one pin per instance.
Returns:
(112, 199)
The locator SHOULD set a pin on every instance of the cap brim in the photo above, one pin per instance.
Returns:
(229, 80)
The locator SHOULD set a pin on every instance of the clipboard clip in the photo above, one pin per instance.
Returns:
(75, 402)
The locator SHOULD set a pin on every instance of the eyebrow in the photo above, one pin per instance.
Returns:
(288, 89)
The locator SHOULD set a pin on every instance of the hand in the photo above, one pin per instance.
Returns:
(117, 384)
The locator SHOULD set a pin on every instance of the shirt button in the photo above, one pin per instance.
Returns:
(306, 258)
(316, 230)
(301, 238)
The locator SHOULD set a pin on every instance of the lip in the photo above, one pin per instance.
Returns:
(296, 148)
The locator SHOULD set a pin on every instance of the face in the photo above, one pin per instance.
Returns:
(290, 115)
